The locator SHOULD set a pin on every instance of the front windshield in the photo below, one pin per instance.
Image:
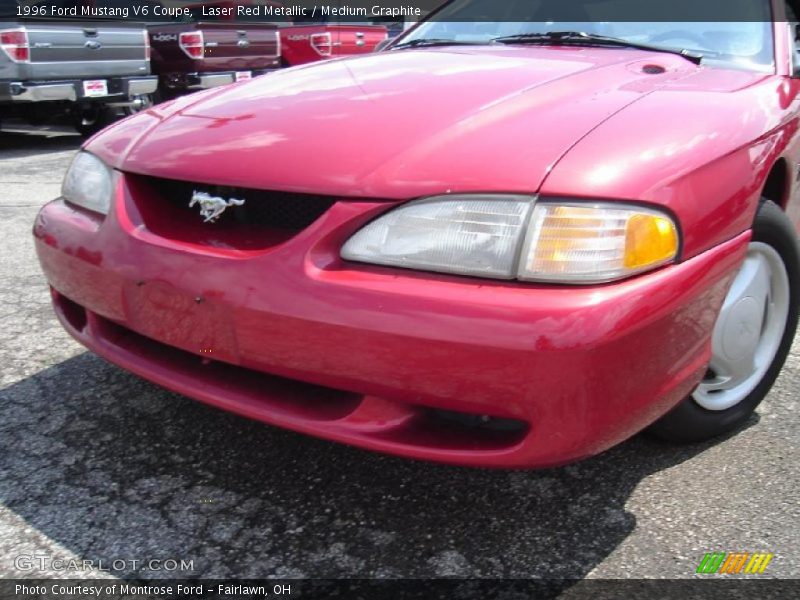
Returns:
(742, 36)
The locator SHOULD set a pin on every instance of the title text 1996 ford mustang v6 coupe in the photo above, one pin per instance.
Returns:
(566, 233)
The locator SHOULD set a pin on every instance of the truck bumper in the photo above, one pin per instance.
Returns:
(72, 90)
(204, 81)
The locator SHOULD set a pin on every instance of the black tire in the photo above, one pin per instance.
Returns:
(165, 94)
(91, 119)
(689, 422)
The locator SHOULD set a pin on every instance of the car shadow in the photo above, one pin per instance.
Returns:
(110, 467)
(29, 141)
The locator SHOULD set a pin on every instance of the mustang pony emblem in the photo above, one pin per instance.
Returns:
(211, 207)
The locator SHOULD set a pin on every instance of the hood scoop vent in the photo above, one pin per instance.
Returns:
(653, 70)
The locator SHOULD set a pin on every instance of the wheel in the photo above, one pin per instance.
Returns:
(752, 336)
(158, 97)
(90, 119)
(164, 94)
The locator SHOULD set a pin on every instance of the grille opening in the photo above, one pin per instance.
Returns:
(74, 313)
(245, 387)
(266, 219)
(452, 430)
(272, 398)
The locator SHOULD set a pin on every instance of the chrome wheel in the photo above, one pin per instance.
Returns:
(749, 330)
(752, 336)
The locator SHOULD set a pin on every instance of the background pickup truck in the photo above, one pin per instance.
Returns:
(85, 71)
(308, 41)
(300, 41)
(204, 51)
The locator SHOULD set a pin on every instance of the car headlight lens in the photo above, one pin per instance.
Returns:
(88, 183)
(595, 243)
(514, 237)
(469, 235)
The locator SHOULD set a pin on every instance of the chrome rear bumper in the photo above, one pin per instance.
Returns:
(72, 90)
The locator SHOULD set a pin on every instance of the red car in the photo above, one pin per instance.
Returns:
(563, 235)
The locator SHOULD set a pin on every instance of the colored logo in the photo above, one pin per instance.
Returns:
(734, 563)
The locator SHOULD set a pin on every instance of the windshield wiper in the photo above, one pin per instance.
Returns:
(582, 38)
(430, 42)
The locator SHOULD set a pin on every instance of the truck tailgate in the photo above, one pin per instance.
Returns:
(357, 39)
(227, 46)
(239, 45)
(64, 49)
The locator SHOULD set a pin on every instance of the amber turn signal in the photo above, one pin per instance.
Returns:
(595, 243)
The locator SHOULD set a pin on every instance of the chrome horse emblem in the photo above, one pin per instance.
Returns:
(212, 207)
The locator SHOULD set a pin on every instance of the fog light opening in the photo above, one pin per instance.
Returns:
(73, 313)
(483, 422)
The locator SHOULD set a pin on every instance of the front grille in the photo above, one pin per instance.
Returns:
(266, 218)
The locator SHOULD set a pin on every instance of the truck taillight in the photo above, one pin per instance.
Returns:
(14, 43)
(147, 49)
(321, 42)
(192, 44)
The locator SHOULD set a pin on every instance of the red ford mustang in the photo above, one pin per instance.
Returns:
(502, 244)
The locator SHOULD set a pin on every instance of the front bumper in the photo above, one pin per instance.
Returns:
(380, 350)
(72, 90)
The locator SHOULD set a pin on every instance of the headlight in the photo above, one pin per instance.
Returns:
(514, 237)
(469, 235)
(88, 183)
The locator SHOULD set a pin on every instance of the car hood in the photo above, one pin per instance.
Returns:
(399, 124)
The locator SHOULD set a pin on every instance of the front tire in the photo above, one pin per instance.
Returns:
(752, 336)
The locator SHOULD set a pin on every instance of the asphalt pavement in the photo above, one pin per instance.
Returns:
(98, 465)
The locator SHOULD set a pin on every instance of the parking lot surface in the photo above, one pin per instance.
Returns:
(99, 465)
